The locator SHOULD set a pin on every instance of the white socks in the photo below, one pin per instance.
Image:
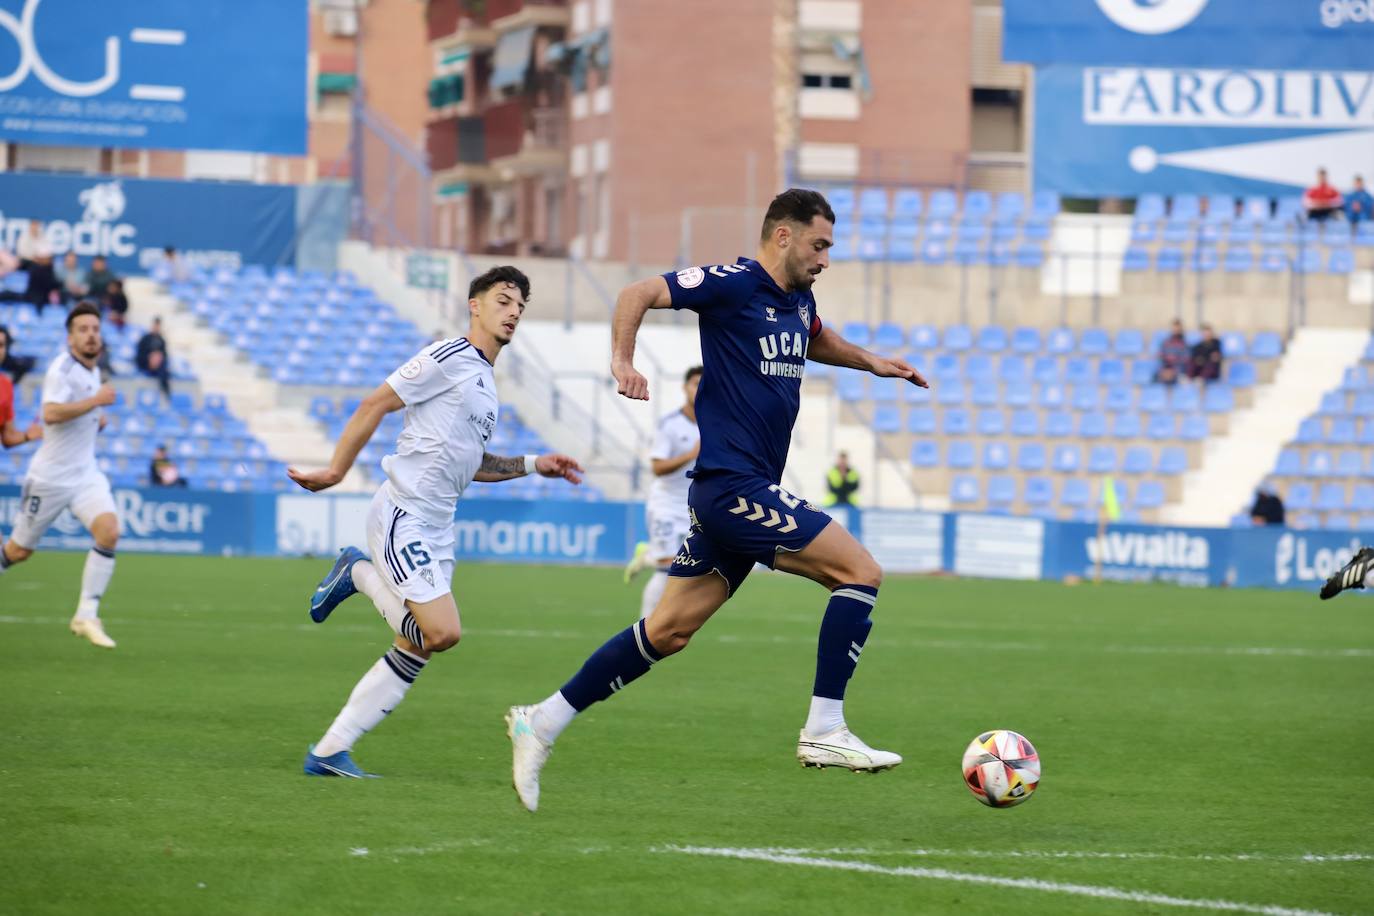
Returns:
(826, 716)
(389, 604)
(95, 578)
(552, 716)
(377, 694)
(653, 591)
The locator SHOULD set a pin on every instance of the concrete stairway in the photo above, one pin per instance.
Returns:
(1314, 363)
(289, 433)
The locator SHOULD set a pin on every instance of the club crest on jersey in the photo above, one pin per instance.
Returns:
(770, 313)
(411, 369)
(691, 277)
(805, 314)
(427, 575)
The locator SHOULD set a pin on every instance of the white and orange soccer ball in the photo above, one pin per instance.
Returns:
(1001, 768)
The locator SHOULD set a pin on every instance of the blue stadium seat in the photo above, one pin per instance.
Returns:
(996, 456)
(1299, 496)
(1067, 459)
(1094, 342)
(1111, 371)
(947, 367)
(924, 337)
(1194, 428)
(857, 333)
(1349, 463)
(964, 490)
(906, 204)
(1177, 231)
(851, 386)
(1102, 459)
(1045, 369)
(841, 201)
(991, 423)
(959, 455)
(1341, 431)
(1311, 431)
(1078, 371)
(943, 204)
(1086, 397)
(977, 205)
(925, 453)
(1238, 260)
(992, 339)
(1331, 496)
(978, 368)
(1025, 340)
(951, 394)
(1362, 499)
(1129, 343)
(887, 418)
(1011, 205)
(1075, 493)
(1127, 425)
(920, 421)
(1137, 460)
(1016, 394)
(1051, 396)
(1092, 426)
(1012, 370)
(1169, 260)
(1149, 495)
(1038, 491)
(1342, 261)
(1160, 427)
(1241, 374)
(1135, 258)
(1001, 492)
(1059, 424)
(1026, 423)
(1119, 398)
(887, 390)
(1185, 206)
(1221, 208)
(1332, 403)
(958, 338)
(1184, 399)
(873, 204)
(1030, 456)
(956, 422)
(1173, 460)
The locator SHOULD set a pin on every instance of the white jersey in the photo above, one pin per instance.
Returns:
(451, 409)
(668, 494)
(67, 454)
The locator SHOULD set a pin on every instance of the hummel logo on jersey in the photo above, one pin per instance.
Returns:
(770, 313)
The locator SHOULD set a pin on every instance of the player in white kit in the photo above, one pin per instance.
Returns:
(448, 392)
(63, 473)
(671, 456)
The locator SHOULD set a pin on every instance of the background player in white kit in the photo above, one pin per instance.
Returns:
(63, 473)
(676, 443)
(449, 395)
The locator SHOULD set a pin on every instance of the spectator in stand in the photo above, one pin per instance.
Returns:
(10, 434)
(162, 472)
(70, 276)
(1321, 201)
(177, 268)
(1268, 507)
(98, 278)
(1359, 206)
(841, 483)
(151, 357)
(8, 265)
(35, 256)
(114, 304)
(1173, 356)
(13, 366)
(1205, 362)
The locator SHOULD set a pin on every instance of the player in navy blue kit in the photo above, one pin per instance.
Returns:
(758, 326)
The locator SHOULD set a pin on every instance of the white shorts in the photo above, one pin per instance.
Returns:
(41, 503)
(667, 531)
(414, 557)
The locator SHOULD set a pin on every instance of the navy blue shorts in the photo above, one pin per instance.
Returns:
(740, 521)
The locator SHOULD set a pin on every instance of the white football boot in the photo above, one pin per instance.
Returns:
(842, 748)
(530, 753)
(91, 629)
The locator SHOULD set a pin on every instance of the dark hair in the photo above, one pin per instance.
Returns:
(796, 205)
(503, 274)
(84, 307)
(692, 373)
(9, 338)
(169, 250)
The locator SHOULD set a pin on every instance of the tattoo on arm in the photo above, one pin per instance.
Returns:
(500, 464)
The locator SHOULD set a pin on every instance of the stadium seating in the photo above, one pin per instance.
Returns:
(311, 329)
(1016, 414)
(941, 226)
(1325, 473)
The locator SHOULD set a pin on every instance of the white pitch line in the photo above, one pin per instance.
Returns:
(1031, 884)
(1309, 857)
(158, 36)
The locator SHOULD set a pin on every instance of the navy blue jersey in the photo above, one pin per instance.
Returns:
(754, 339)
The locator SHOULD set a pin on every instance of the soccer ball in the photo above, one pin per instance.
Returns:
(1001, 768)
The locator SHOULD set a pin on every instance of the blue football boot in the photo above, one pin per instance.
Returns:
(336, 586)
(340, 764)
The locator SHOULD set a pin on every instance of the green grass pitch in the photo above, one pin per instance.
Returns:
(1198, 746)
